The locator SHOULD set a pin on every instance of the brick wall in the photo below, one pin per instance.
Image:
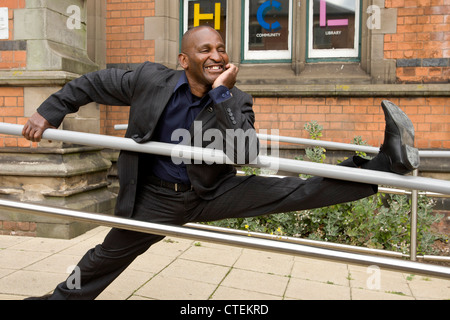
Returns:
(12, 111)
(17, 228)
(13, 56)
(125, 31)
(421, 48)
(126, 47)
(421, 45)
(345, 118)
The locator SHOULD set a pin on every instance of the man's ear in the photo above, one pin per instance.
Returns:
(183, 60)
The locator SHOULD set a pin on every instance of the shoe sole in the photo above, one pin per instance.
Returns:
(410, 155)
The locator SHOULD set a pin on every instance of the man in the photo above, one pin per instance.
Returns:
(156, 189)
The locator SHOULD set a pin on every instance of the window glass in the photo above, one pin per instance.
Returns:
(206, 12)
(333, 29)
(267, 29)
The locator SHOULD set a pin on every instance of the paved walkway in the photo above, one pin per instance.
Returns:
(179, 269)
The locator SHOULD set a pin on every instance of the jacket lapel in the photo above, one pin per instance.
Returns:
(156, 101)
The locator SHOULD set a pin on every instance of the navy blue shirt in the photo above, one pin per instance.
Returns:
(180, 112)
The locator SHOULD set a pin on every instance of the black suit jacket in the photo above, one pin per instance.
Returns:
(147, 91)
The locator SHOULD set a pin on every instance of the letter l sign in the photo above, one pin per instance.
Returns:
(330, 22)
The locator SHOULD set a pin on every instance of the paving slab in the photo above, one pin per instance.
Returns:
(175, 288)
(181, 269)
(267, 262)
(321, 271)
(302, 289)
(266, 283)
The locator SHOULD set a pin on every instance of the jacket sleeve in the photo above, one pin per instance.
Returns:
(109, 87)
(235, 119)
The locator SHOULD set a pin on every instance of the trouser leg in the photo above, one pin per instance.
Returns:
(101, 265)
(258, 196)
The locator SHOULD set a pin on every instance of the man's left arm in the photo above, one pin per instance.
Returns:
(235, 118)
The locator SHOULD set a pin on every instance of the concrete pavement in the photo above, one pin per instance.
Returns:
(179, 269)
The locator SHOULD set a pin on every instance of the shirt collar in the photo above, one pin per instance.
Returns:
(183, 80)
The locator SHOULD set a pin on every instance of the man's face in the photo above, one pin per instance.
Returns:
(204, 57)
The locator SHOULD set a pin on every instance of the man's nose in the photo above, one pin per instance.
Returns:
(216, 56)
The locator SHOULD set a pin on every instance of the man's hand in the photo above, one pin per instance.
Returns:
(227, 78)
(35, 127)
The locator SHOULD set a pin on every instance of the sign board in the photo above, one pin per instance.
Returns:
(206, 12)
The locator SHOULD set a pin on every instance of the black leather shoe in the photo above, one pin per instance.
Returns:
(398, 145)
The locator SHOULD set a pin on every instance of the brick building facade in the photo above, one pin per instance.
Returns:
(417, 49)
(394, 49)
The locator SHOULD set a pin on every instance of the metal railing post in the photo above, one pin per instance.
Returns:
(414, 204)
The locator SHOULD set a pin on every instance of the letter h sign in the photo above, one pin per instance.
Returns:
(331, 22)
(207, 16)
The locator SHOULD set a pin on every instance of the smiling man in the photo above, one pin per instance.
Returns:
(157, 189)
(206, 61)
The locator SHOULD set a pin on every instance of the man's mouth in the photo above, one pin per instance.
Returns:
(215, 68)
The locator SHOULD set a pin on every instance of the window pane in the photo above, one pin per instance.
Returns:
(334, 24)
(207, 12)
(334, 28)
(267, 34)
(268, 25)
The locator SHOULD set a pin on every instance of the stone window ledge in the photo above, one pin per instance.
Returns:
(353, 90)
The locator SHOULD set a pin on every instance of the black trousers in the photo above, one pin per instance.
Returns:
(255, 196)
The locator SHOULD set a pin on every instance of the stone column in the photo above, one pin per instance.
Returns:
(56, 35)
(164, 29)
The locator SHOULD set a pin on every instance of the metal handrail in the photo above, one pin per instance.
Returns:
(217, 156)
(347, 146)
(317, 243)
(330, 144)
(228, 239)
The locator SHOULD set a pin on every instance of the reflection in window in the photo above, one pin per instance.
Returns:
(267, 29)
(206, 12)
(334, 28)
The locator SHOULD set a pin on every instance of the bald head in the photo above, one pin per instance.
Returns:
(189, 36)
(204, 59)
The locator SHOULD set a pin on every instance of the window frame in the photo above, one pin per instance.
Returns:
(329, 55)
(184, 10)
(266, 56)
